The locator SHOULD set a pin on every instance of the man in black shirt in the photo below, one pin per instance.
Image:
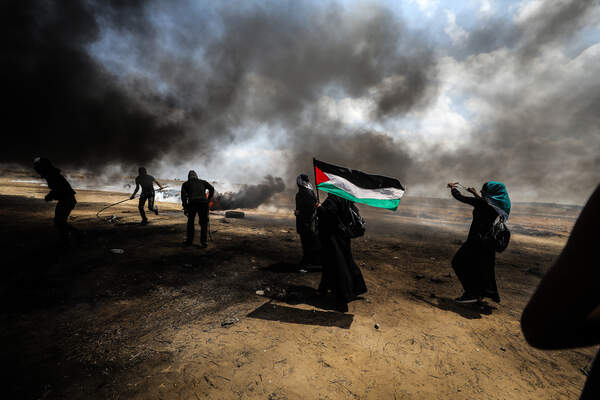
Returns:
(195, 201)
(60, 190)
(147, 183)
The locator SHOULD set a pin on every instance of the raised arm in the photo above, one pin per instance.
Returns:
(464, 199)
(564, 310)
(211, 190)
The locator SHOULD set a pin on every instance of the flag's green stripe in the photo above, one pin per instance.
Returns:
(388, 204)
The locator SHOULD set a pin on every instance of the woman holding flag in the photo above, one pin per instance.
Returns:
(338, 213)
(340, 274)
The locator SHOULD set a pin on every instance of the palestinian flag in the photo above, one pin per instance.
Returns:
(372, 190)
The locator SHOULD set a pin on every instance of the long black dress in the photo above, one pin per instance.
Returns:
(340, 272)
(306, 226)
(474, 263)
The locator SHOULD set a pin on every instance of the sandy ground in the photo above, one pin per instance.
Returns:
(164, 322)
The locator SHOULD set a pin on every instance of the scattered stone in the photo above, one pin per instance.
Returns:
(230, 321)
(260, 292)
(234, 214)
(117, 251)
(376, 326)
(503, 348)
(437, 280)
(419, 276)
(535, 271)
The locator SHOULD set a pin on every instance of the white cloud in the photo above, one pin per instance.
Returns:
(457, 34)
(428, 7)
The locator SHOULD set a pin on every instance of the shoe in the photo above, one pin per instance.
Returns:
(156, 210)
(495, 297)
(144, 222)
(466, 299)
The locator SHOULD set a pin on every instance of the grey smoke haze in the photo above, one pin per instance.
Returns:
(175, 83)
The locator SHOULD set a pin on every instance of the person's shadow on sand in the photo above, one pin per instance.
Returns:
(468, 311)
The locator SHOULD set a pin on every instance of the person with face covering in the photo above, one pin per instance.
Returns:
(340, 274)
(147, 183)
(60, 190)
(474, 263)
(306, 222)
(195, 202)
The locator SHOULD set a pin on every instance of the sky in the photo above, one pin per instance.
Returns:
(427, 91)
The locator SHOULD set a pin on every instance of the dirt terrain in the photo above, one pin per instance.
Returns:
(164, 322)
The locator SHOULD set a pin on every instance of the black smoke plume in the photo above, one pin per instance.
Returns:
(249, 196)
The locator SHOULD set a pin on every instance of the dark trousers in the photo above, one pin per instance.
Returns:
(61, 215)
(142, 202)
(199, 208)
(311, 249)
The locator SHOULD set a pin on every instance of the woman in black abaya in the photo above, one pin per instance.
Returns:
(341, 275)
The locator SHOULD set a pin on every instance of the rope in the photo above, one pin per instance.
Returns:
(114, 204)
(123, 201)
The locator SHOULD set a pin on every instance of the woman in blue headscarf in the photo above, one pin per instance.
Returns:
(474, 263)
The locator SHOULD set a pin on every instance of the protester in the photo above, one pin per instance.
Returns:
(147, 183)
(564, 311)
(306, 222)
(60, 190)
(474, 263)
(340, 274)
(195, 201)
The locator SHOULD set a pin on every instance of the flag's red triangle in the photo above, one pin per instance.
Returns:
(320, 176)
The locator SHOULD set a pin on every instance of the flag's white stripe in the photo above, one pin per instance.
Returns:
(388, 193)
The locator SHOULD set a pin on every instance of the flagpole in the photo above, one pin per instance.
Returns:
(316, 184)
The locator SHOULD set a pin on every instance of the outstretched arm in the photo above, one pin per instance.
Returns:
(159, 185)
(137, 187)
(564, 311)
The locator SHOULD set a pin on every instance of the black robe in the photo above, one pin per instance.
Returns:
(474, 263)
(306, 226)
(340, 272)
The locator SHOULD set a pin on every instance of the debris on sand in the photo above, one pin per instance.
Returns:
(376, 326)
(230, 321)
(419, 276)
(437, 280)
(260, 292)
(234, 214)
(224, 220)
(117, 251)
(503, 348)
(113, 219)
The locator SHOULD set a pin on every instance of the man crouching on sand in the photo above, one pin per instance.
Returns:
(195, 201)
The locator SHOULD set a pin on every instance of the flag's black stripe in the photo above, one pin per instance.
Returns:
(359, 178)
